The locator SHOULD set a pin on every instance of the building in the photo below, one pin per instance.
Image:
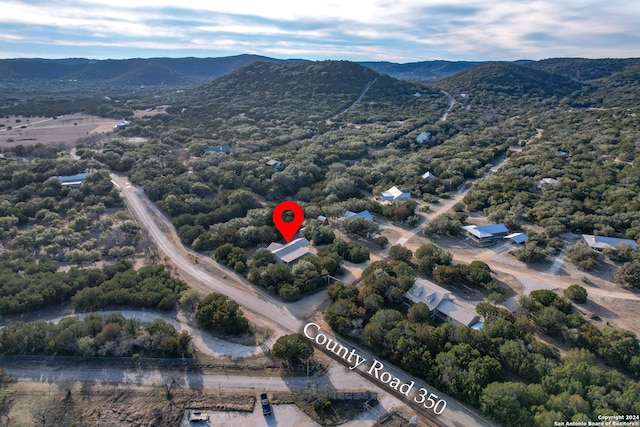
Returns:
(275, 165)
(350, 215)
(292, 252)
(122, 124)
(517, 238)
(601, 242)
(394, 194)
(423, 138)
(548, 182)
(427, 176)
(441, 303)
(485, 235)
(219, 149)
(73, 181)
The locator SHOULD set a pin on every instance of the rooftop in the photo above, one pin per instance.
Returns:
(602, 242)
(428, 293)
(517, 237)
(484, 231)
(458, 313)
(394, 193)
(363, 214)
(218, 149)
(290, 252)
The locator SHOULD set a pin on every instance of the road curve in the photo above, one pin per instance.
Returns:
(258, 302)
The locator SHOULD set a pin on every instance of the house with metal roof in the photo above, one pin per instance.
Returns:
(517, 238)
(292, 252)
(441, 303)
(73, 181)
(485, 235)
(351, 215)
(219, 149)
(394, 194)
(275, 165)
(602, 242)
(428, 176)
(423, 138)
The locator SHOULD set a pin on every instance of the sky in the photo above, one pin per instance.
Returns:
(358, 30)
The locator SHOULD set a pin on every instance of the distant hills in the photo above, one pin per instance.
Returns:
(512, 79)
(588, 81)
(136, 71)
(189, 72)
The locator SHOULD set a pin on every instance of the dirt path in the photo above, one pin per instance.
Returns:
(346, 110)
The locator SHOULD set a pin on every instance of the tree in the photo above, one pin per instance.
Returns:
(530, 253)
(400, 253)
(219, 313)
(360, 227)
(582, 256)
(5, 378)
(629, 274)
(576, 293)
(292, 347)
(190, 299)
(544, 296)
(479, 272)
(505, 401)
(419, 313)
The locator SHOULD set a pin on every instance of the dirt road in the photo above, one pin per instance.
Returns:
(268, 307)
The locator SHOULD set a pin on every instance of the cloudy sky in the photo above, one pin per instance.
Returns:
(393, 30)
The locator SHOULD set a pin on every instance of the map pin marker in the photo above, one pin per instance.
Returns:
(288, 229)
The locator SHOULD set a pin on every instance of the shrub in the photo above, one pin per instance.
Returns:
(576, 293)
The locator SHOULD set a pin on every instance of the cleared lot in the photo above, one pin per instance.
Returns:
(64, 130)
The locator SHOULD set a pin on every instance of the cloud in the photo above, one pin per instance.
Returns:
(400, 30)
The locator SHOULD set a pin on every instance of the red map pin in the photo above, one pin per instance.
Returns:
(288, 229)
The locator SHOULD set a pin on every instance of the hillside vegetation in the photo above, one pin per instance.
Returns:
(343, 133)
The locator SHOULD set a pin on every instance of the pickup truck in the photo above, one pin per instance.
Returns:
(266, 405)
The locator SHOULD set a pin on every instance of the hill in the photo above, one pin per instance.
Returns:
(581, 69)
(420, 71)
(280, 91)
(511, 80)
(43, 76)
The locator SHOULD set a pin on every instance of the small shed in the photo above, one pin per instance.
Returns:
(517, 238)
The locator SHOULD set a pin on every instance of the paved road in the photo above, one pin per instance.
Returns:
(268, 307)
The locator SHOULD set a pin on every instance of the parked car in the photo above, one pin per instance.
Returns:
(266, 405)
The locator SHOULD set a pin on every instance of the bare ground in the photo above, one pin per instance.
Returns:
(65, 130)
(27, 404)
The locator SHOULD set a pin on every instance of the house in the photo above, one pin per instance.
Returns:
(601, 242)
(350, 215)
(323, 219)
(275, 165)
(428, 176)
(517, 238)
(73, 181)
(394, 194)
(423, 138)
(485, 235)
(292, 252)
(441, 303)
(219, 149)
(548, 182)
(122, 124)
